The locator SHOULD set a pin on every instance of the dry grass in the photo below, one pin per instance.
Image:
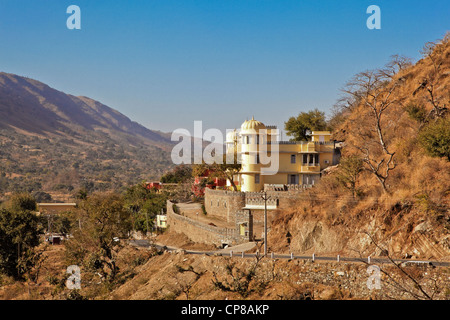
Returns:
(418, 186)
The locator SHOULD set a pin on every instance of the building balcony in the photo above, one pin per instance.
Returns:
(310, 168)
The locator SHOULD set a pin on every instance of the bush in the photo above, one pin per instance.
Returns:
(19, 236)
(435, 138)
(23, 202)
(416, 112)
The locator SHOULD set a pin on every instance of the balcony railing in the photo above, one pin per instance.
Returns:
(286, 187)
(302, 142)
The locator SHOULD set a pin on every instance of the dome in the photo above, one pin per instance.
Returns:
(231, 136)
(252, 125)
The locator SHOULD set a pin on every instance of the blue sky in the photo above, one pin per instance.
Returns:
(166, 63)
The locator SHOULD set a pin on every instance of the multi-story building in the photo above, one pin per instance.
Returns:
(268, 162)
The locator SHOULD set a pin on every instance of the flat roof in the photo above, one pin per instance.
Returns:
(57, 204)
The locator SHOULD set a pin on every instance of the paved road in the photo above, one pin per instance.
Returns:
(238, 251)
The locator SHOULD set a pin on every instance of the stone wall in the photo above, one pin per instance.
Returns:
(223, 203)
(203, 233)
(228, 206)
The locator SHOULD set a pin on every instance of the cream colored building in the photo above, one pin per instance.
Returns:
(55, 208)
(299, 163)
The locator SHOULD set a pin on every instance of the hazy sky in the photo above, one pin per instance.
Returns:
(167, 63)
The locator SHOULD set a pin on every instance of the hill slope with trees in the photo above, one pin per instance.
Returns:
(390, 194)
(57, 143)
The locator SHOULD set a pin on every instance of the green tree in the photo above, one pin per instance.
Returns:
(435, 138)
(102, 220)
(19, 236)
(145, 204)
(222, 170)
(298, 127)
(226, 170)
(179, 174)
(42, 196)
(23, 202)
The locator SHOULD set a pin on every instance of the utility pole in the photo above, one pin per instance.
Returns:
(265, 198)
(146, 222)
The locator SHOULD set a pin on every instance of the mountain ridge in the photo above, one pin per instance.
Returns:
(33, 106)
(89, 144)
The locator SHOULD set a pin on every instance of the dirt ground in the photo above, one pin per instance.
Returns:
(180, 240)
(193, 210)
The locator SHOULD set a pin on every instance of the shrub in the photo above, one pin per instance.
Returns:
(416, 112)
(435, 138)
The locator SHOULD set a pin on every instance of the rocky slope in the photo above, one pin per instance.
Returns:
(412, 218)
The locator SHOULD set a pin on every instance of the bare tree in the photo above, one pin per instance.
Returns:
(397, 64)
(376, 92)
(187, 283)
(433, 51)
(242, 281)
(412, 286)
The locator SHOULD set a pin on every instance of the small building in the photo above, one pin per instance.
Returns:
(161, 221)
(55, 239)
(55, 208)
(207, 180)
(153, 185)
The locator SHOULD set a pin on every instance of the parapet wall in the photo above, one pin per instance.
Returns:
(224, 204)
(229, 206)
(200, 232)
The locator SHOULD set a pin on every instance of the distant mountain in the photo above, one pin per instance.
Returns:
(45, 133)
(33, 106)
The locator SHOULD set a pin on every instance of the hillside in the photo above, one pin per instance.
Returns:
(399, 205)
(403, 212)
(55, 142)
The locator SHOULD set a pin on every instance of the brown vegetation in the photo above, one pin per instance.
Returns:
(402, 192)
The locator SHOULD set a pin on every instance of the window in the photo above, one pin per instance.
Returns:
(310, 179)
(256, 178)
(311, 159)
(257, 159)
(293, 179)
(292, 158)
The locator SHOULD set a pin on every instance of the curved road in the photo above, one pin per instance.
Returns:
(230, 252)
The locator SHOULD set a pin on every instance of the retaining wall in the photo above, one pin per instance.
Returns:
(204, 233)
